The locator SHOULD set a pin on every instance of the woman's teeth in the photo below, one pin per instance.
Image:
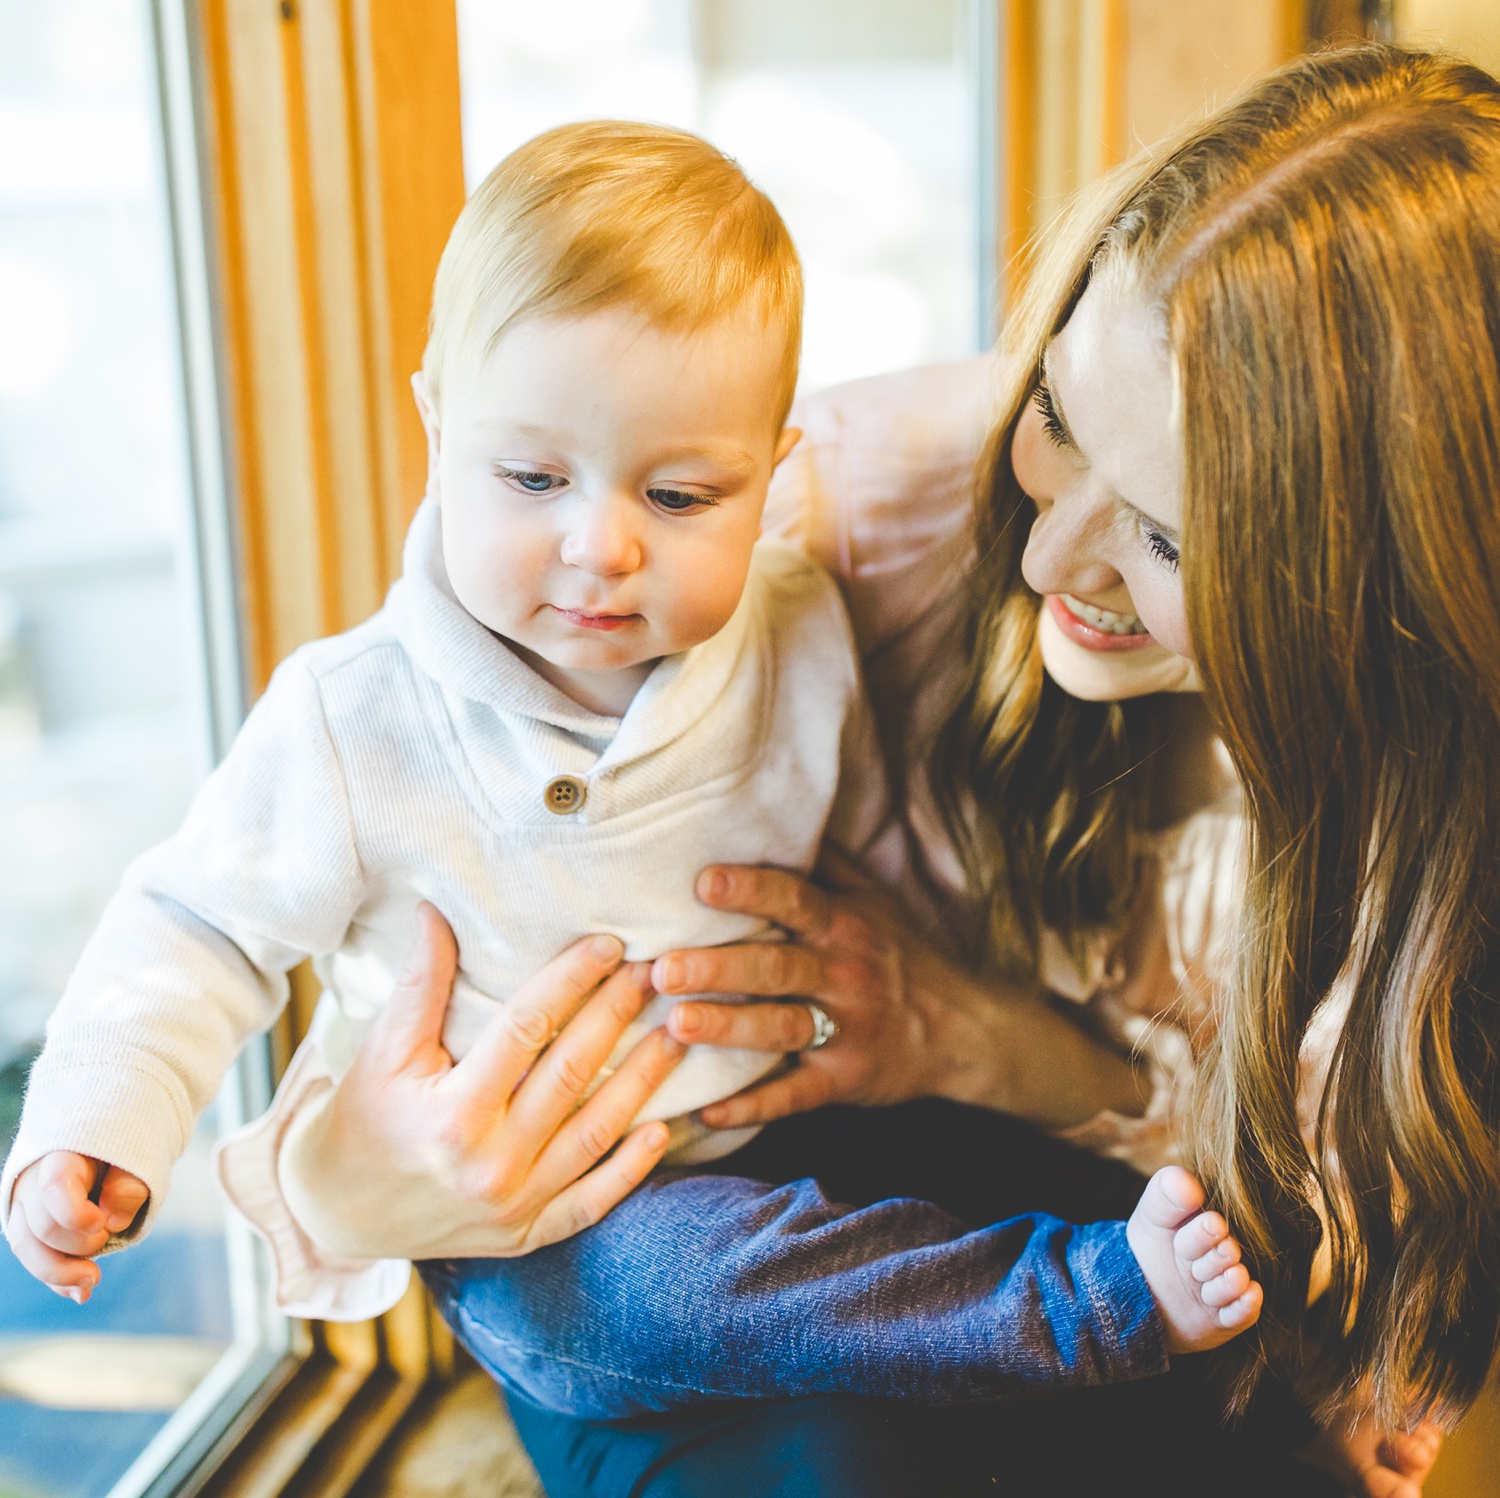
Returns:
(1111, 623)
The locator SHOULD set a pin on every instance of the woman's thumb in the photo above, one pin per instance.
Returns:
(419, 1002)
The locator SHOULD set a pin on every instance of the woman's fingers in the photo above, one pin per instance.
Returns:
(530, 1018)
(585, 1202)
(570, 1065)
(596, 1128)
(776, 894)
(772, 969)
(749, 1027)
(412, 1020)
(838, 872)
(796, 1091)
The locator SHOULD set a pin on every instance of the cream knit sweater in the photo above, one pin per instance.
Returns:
(408, 759)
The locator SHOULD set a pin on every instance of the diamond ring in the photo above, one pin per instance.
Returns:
(825, 1027)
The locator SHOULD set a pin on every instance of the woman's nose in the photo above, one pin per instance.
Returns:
(1065, 552)
(601, 536)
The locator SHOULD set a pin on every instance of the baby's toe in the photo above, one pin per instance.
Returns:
(1224, 1256)
(1243, 1310)
(1200, 1236)
(1229, 1286)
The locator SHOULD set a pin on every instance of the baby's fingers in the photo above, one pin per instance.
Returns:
(54, 1195)
(64, 1273)
(121, 1198)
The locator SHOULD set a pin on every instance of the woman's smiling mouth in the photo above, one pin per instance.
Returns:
(1095, 628)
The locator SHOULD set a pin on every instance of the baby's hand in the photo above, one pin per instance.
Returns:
(56, 1226)
(1205, 1295)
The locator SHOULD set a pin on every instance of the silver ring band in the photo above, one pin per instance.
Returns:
(825, 1027)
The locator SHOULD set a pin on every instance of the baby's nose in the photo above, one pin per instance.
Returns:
(602, 538)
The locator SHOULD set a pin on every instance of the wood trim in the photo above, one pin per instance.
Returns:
(338, 173)
(406, 68)
(334, 173)
(1019, 156)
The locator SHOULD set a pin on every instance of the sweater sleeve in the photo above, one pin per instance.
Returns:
(191, 955)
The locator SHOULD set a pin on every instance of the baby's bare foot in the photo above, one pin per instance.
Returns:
(1192, 1264)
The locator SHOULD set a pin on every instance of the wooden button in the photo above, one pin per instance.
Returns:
(564, 795)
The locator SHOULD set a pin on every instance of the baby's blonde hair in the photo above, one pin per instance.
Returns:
(609, 213)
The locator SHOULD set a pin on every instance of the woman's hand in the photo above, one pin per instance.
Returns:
(416, 1156)
(911, 1024)
(1377, 1466)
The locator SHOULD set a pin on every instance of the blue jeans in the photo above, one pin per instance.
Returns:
(702, 1288)
(642, 1356)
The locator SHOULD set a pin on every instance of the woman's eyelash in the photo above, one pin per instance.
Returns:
(1166, 552)
(1052, 424)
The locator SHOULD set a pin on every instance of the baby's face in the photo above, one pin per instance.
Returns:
(601, 483)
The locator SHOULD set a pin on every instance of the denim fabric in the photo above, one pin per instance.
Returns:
(1153, 1438)
(704, 1288)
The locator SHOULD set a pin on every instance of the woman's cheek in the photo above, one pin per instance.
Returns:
(1158, 602)
(1028, 457)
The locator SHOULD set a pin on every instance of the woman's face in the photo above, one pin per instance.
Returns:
(1098, 451)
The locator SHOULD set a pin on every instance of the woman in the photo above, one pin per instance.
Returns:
(1272, 352)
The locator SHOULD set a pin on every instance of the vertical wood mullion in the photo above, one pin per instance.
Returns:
(406, 81)
(357, 566)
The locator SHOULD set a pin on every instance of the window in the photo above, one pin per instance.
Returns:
(119, 680)
(860, 119)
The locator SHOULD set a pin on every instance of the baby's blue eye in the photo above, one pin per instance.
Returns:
(534, 483)
(675, 499)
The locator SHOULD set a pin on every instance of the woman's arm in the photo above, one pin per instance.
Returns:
(911, 1023)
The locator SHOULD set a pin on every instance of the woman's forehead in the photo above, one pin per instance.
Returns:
(1111, 372)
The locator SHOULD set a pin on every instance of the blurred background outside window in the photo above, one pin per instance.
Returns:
(858, 117)
(103, 707)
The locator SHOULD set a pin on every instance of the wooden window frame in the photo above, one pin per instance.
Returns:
(315, 168)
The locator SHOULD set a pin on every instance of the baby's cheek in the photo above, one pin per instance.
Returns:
(706, 593)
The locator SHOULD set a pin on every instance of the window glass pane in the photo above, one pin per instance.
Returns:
(856, 116)
(103, 736)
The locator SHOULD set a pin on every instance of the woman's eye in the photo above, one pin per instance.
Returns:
(1166, 552)
(677, 500)
(1052, 425)
(531, 482)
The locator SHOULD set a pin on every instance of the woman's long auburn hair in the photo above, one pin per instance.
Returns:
(1325, 252)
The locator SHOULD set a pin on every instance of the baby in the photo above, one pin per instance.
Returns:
(590, 682)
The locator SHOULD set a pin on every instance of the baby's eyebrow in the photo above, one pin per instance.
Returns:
(730, 457)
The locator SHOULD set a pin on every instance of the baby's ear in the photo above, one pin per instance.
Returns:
(789, 438)
(431, 427)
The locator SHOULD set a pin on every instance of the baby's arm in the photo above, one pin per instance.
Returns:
(65, 1208)
(1204, 1293)
(190, 959)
